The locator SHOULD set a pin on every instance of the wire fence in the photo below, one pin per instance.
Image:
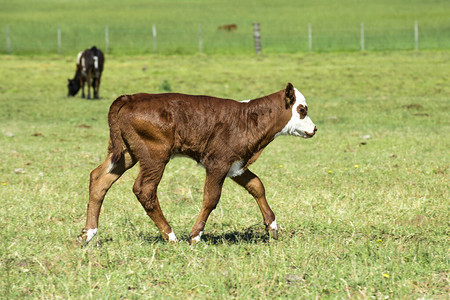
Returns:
(254, 38)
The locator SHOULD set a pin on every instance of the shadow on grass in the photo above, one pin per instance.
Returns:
(251, 235)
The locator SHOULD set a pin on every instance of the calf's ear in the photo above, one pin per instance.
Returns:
(289, 95)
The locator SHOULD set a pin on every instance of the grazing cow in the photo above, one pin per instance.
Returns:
(222, 135)
(228, 27)
(89, 70)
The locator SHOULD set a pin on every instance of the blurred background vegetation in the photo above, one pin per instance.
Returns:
(335, 25)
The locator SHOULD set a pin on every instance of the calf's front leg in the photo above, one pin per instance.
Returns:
(255, 187)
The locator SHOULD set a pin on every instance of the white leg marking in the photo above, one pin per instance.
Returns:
(172, 237)
(273, 225)
(90, 234)
(198, 237)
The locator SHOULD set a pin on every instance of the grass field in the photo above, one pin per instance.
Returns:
(389, 25)
(363, 206)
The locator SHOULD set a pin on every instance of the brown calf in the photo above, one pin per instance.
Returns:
(223, 135)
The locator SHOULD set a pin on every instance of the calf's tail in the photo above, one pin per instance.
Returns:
(116, 144)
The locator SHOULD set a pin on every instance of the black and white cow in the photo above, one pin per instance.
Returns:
(89, 70)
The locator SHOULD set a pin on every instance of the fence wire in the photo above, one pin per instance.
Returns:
(195, 38)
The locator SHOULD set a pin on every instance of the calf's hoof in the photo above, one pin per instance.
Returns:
(272, 229)
(195, 239)
(171, 237)
(86, 235)
(273, 234)
(81, 239)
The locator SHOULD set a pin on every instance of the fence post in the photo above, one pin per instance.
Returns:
(257, 37)
(59, 39)
(200, 40)
(107, 39)
(416, 36)
(8, 40)
(362, 36)
(154, 38)
(309, 37)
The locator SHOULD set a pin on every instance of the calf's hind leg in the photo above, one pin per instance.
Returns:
(145, 189)
(255, 187)
(96, 86)
(101, 180)
(82, 82)
(89, 83)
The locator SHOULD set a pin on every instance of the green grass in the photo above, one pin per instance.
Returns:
(389, 25)
(360, 217)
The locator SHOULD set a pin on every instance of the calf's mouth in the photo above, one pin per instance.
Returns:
(311, 134)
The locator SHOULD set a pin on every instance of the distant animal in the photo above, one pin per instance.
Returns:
(89, 68)
(229, 27)
(222, 135)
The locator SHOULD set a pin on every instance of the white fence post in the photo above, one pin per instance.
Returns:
(107, 39)
(59, 39)
(200, 40)
(154, 38)
(362, 36)
(257, 38)
(309, 37)
(8, 40)
(416, 36)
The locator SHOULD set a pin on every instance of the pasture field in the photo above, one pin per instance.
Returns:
(363, 206)
(389, 25)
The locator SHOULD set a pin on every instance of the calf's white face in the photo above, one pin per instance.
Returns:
(300, 124)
